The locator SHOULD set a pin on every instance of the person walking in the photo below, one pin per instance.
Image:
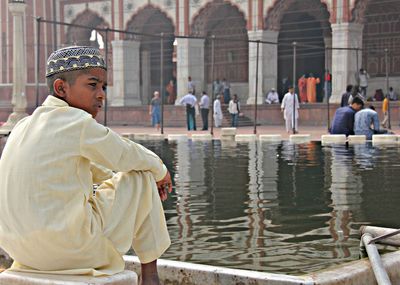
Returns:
(328, 84)
(155, 110)
(189, 100)
(290, 109)
(234, 110)
(217, 112)
(204, 109)
(191, 86)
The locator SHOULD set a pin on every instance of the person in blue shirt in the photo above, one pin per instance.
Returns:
(366, 122)
(343, 121)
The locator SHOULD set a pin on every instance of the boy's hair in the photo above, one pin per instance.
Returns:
(68, 77)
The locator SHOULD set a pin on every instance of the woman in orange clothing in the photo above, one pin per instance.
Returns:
(302, 83)
(312, 88)
(385, 111)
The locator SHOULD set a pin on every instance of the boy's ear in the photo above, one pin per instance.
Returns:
(59, 87)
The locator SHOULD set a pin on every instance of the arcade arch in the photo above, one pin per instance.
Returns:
(152, 21)
(307, 23)
(225, 21)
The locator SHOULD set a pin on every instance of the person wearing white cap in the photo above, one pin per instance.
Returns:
(272, 97)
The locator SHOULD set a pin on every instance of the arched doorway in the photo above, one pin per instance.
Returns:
(152, 21)
(305, 22)
(381, 30)
(225, 21)
(87, 37)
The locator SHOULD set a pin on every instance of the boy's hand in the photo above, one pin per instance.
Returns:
(164, 186)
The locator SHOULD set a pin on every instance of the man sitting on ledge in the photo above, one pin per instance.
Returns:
(343, 121)
(51, 219)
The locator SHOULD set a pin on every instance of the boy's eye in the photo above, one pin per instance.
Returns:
(104, 88)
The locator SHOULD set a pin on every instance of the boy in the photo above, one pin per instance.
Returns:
(50, 219)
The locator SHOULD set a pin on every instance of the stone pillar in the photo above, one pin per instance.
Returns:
(126, 62)
(146, 77)
(267, 64)
(19, 102)
(344, 62)
(190, 62)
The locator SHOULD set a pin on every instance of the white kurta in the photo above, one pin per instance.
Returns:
(217, 113)
(288, 110)
(50, 219)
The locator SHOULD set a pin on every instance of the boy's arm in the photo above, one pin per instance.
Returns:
(103, 146)
(100, 173)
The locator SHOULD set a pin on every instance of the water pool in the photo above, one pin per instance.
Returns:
(280, 208)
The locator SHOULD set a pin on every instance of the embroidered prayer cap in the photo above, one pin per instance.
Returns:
(74, 58)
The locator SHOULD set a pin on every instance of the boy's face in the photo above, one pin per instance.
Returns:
(88, 91)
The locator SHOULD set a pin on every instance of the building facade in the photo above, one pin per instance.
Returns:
(340, 35)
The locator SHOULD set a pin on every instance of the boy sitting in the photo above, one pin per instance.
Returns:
(50, 219)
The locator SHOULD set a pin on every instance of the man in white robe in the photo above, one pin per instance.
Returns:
(290, 110)
(217, 112)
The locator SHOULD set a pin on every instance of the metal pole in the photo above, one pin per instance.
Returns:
(326, 87)
(387, 84)
(212, 89)
(255, 101)
(357, 70)
(162, 81)
(54, 25)
(376, 263)
(106, 59)
(37, 59)
(294, 88)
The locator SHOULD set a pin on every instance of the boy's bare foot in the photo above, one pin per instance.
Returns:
(149, 274)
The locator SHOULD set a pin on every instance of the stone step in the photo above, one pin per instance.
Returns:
(9, 277)
(228, 131)
(356, 139)
(270, 138)
(245, 138)
(332, 139)
(384, 139)
(201, 137)
(300, 138)
(177, 137)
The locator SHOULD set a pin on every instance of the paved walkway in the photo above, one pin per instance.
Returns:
(314, 131)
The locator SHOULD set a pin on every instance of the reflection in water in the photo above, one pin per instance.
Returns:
(346, 188)
(283, 208)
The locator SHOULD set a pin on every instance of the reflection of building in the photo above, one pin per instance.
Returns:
(346, 187)
(316, 23)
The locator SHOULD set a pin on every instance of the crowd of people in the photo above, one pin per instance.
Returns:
(221, 90)
(344, 122)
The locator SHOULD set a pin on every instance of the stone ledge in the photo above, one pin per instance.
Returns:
(384, 139)
(357, 139)
(201, 137)
(332, 139)
(228, 131)
(156, 137)
(300, 138)
(9, 277)
(245, 138)
(270, 138)
(177, 137)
